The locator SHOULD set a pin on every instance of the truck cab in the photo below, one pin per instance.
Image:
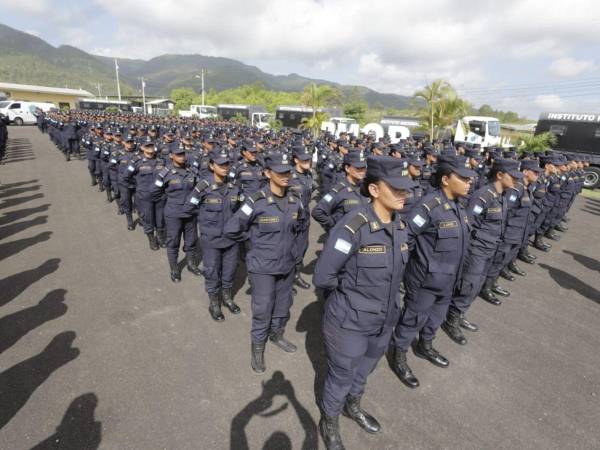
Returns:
(481, 130)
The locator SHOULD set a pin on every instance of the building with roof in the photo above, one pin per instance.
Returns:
(61, 97)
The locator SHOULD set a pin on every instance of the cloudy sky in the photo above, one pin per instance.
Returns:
(524, 55)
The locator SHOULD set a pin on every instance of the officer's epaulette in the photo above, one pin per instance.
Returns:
(486, 196)
(202, 185)
(433, 203)
(230, 185)
(356, 222)
(338, 187)
(257, 196)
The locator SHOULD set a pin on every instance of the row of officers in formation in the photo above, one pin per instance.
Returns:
(416, 231)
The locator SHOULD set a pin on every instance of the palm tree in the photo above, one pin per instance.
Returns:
(536, 143)
(316, 97)
(450, 109)
(432, 94)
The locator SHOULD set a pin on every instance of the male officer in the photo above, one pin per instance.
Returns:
(125, 167)
(271, 219)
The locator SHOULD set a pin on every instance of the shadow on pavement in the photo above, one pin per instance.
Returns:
(13, 285)
(11, 248)
(22, 213)
(276, 386)
(590, 263)
(78, 430)
(20, 381)
(309, 322)
(9, 203)
(15, 228)
(17, 191)
(14, 326)
(568, 281)
(3, 187)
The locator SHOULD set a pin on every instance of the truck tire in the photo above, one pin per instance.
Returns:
(18, 121)
(592, 177)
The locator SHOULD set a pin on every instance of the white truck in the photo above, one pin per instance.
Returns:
(481, 130)
(23, 113)
(200, 112)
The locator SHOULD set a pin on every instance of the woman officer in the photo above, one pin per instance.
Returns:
(440, 228)
(360, 269)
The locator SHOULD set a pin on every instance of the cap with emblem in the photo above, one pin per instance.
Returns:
(278, 162)
(531, 164)
(509, 166)
(391, 170)
(355, 159)
(219, 156)
(301, 152)
(177, 149)
(457, 164)
(473, 153)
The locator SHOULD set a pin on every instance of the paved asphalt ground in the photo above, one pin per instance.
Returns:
(99, 349)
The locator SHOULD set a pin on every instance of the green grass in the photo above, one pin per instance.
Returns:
(589, 193)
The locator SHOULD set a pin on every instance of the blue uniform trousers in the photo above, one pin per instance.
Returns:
(126, 199)
(219, 267)
(150, 211)
(176, 226)
(424, 312)
(271, 302)
(351, 357)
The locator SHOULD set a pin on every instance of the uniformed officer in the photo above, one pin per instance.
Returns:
(344, 196)
(176, 183)
(271, 220)
(125, 167)
(248, 174)
(216, 200)
(439, 230)
(487, 215)
(414, 195)
(3, 136)
(302, 184)
(146, 168)
(360, 271)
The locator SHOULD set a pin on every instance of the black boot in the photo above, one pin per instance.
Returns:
(526, 257)
(192, 264)
(512, 266)
(540, 244)
(562, 228)
(425, 350)
(258, 357)
(487, 294)
(109, 197)
(496, 289)
(94, 181)
(467, 325)
(152, 241)
(403, 371)
(130, 224)
(504, 273)
(100, 185)
(330, 432)
(276, 337)
(366, 421)
(552, 235)
(298, 281)
(452, 328)
(161, 236)
(175, 275)
(214, 308)
(228, 301)
(120, 211)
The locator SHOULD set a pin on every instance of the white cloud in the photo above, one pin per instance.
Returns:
(29, 7)
(549, 101)
(569, 67)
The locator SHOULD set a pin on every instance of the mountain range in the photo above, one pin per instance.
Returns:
(27, 59)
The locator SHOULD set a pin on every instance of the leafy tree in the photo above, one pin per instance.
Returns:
(536, 143)
(432, 95)
(184, 98)
(316, 97)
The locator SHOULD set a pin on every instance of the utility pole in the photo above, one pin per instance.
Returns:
(144, 93)
(202, 87)
(99, 87)
(118, 85)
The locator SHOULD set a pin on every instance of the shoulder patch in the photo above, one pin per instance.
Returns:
(429, 205)
(356, 222)
(202, 185)
(257, 196)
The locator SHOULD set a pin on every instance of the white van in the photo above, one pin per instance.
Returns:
(22, 113)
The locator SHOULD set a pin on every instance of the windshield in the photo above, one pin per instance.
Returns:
(494, 128)
(477, 127)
